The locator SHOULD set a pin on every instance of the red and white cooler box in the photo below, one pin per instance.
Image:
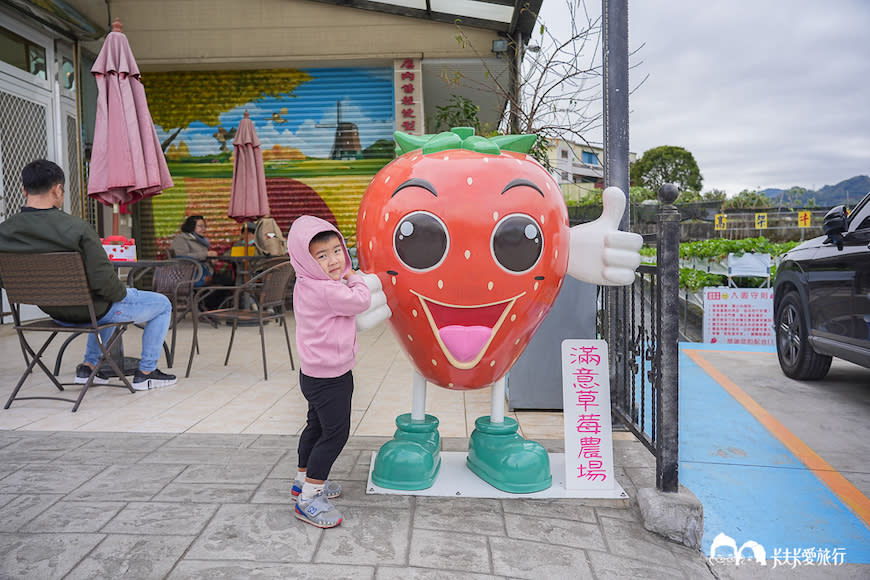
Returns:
(120, 249)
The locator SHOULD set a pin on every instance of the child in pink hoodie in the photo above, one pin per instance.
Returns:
(326, 299)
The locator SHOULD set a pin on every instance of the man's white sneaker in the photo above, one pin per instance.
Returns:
(154, 380)
(83, 373)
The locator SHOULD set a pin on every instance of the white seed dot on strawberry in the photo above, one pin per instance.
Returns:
(394, 280)
(490, 285)
(492, 363)
(495, 215)
(543, 219)
(434, 363)
(386, 217)
(513, 317)
(387, 180)
(469, 181)
(440, 284)
(556, 254)
(536, 285)
(467, 254)
(411, 338)
(371, 244)
(414, 313)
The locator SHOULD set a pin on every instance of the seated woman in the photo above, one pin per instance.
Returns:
(192, 243)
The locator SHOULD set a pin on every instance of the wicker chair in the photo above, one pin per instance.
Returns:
(267, 292)
(175, 279)
(172, 278)
(54, 279)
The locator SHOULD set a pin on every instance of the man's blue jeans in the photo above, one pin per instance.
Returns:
(149, 308)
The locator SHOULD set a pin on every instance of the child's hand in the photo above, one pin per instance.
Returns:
(350, 273)
(378, 311)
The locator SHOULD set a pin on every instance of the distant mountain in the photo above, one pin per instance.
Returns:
(849, 191)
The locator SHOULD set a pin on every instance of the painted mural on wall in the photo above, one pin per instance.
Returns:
(324, 133)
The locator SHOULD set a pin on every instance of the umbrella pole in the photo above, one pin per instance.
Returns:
(116, 212)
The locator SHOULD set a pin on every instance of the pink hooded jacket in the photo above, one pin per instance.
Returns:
(325, 309)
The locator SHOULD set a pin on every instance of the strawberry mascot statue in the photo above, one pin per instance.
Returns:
(464, 242)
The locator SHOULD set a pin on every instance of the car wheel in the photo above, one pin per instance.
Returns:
(796, 357)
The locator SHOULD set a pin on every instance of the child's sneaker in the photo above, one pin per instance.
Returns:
(331, 489)
(153, 380)
(83, 373)
(317, 511)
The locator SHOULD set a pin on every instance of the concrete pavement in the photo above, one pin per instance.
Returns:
(193, 481)
(146, 505)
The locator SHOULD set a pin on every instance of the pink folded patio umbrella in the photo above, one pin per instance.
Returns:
(127, 162)
(248, 200)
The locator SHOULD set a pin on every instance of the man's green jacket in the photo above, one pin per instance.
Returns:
(34, 231)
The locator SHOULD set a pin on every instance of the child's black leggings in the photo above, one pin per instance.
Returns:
(328, 422)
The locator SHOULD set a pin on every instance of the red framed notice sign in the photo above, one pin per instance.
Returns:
(738, 316)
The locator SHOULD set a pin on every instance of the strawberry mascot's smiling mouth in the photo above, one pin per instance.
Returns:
(465, 332)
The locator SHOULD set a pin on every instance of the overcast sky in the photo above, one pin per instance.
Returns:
(763, 93)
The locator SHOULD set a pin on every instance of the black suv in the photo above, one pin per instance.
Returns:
(822, 297)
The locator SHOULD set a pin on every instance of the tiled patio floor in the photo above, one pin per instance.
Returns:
(236, 399)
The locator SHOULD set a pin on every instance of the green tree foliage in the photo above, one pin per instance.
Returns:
(667, 164)
(747, 199)
(458, 112)
(689, 196)
(638, 193)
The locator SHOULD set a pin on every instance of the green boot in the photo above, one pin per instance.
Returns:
(410, 460)
(499, 456)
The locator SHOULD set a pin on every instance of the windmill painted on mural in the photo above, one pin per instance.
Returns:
(346, 144)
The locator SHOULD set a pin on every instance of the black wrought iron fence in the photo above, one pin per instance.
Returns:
(640, 323)
(634, 350)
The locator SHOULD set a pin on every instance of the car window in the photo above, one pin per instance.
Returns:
(860, 220)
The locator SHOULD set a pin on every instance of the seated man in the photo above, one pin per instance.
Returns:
(42, 227)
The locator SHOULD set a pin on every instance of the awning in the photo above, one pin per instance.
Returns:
(60, 16)
(503, 15)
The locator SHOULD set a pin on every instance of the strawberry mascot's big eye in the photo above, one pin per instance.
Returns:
(470, 243)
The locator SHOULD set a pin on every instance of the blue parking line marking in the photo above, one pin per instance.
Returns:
(752, 487)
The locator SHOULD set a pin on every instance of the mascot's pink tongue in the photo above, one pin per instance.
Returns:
(464, 342)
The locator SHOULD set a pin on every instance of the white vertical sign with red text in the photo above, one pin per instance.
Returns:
(408, 86)
(588, 434)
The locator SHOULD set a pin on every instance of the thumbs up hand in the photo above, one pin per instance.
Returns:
(601, 253)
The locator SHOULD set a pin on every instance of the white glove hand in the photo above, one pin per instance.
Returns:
(378, 311)
(601, 253)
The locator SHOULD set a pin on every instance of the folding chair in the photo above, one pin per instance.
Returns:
(749, 265)
(54, 279)
(267, 290)
(175, 279)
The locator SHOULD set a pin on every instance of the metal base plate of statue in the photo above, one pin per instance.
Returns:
(454, 479)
